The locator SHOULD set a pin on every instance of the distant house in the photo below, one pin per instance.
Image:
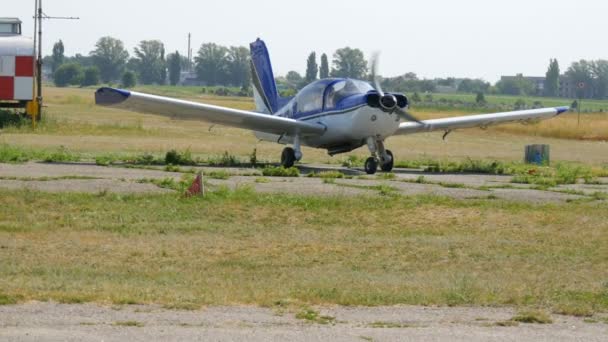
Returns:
(567, 88)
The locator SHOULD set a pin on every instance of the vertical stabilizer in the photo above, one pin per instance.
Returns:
(264, 87)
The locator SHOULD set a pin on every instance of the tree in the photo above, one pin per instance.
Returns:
(349, 63)
(211, 64)
(312, 68)
(480, 99)
(468, 85)
(68, 74)
(110, 58)
(91, 77)
(324, 69)
(294, 79)
(517, 85)
(151, 62)
(238, 67)
(174, 61)
(552, 79)
(580, 73)
(599, 70)
(58, 55)
(129, 80)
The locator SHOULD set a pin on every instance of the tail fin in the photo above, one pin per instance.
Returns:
(264, 87)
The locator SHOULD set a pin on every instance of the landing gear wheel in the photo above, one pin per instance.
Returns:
(371, 166)
(288, 157)
(388, 167)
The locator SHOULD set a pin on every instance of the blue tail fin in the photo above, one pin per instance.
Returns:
(264, 87)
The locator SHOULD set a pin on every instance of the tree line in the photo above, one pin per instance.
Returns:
(217, 65)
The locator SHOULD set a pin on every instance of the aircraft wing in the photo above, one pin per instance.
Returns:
(187, 110)
(482, 120)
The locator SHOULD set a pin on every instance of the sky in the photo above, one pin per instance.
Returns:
(433, 38)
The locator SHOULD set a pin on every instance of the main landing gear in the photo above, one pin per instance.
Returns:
(380, 157)
(291, 155)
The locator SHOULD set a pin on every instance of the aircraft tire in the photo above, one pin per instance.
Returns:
(388, 167)
(371, 166)
(288, 157)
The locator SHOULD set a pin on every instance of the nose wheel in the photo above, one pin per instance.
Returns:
(387, 166)
(371, 165)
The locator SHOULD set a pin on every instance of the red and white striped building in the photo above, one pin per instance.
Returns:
(16, 67)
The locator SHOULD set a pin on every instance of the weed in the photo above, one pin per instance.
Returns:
(61, 156)
(387, 176)
(420, 180)
(537, 317)
(352, 161)
(389, 325)
(262, 180)
(221, 174)
(506, 324)
(313, 316)
(280, 171)
(129, 324)
(8, 300)
(253, 158)
(327, 175)
(226, 160)
(174, 157)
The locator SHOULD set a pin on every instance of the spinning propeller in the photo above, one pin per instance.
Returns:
(388, 102)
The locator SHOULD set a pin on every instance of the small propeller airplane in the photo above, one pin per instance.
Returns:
(335, 114)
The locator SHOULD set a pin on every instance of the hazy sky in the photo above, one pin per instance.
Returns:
(466, 38)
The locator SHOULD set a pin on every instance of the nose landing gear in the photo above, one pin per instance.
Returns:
(380, 156)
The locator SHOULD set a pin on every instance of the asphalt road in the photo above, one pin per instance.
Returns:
(90, 178)
(57, 322)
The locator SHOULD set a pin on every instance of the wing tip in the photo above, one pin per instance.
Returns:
(561, 110)
(110, 96)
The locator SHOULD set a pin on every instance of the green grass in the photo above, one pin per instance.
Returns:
(239, 247)
(508, 102)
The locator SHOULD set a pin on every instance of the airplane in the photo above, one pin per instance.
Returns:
(335, 114)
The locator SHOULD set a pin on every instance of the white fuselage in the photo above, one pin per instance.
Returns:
(351, 127)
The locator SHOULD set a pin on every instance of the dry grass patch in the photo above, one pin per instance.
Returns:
(246, 248)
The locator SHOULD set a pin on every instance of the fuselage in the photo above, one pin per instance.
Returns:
(343, 107)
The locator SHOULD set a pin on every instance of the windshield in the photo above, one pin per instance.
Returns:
(343, 89)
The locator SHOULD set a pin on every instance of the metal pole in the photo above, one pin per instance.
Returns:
(39, 63)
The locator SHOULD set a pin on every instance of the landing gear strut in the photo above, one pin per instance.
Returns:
(380, 156)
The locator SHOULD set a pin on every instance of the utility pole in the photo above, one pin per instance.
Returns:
(189, 52)
(39, 15)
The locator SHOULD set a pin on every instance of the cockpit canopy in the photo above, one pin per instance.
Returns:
(327, 94)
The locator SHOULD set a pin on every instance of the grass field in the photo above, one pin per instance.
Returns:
(74, 123)
(245, 248)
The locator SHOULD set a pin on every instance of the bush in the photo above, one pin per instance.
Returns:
(174, 157)
(91, 77)
(68, 74)
(280, 171)
(129, 80)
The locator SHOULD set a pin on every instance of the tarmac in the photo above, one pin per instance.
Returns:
(91, 178)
